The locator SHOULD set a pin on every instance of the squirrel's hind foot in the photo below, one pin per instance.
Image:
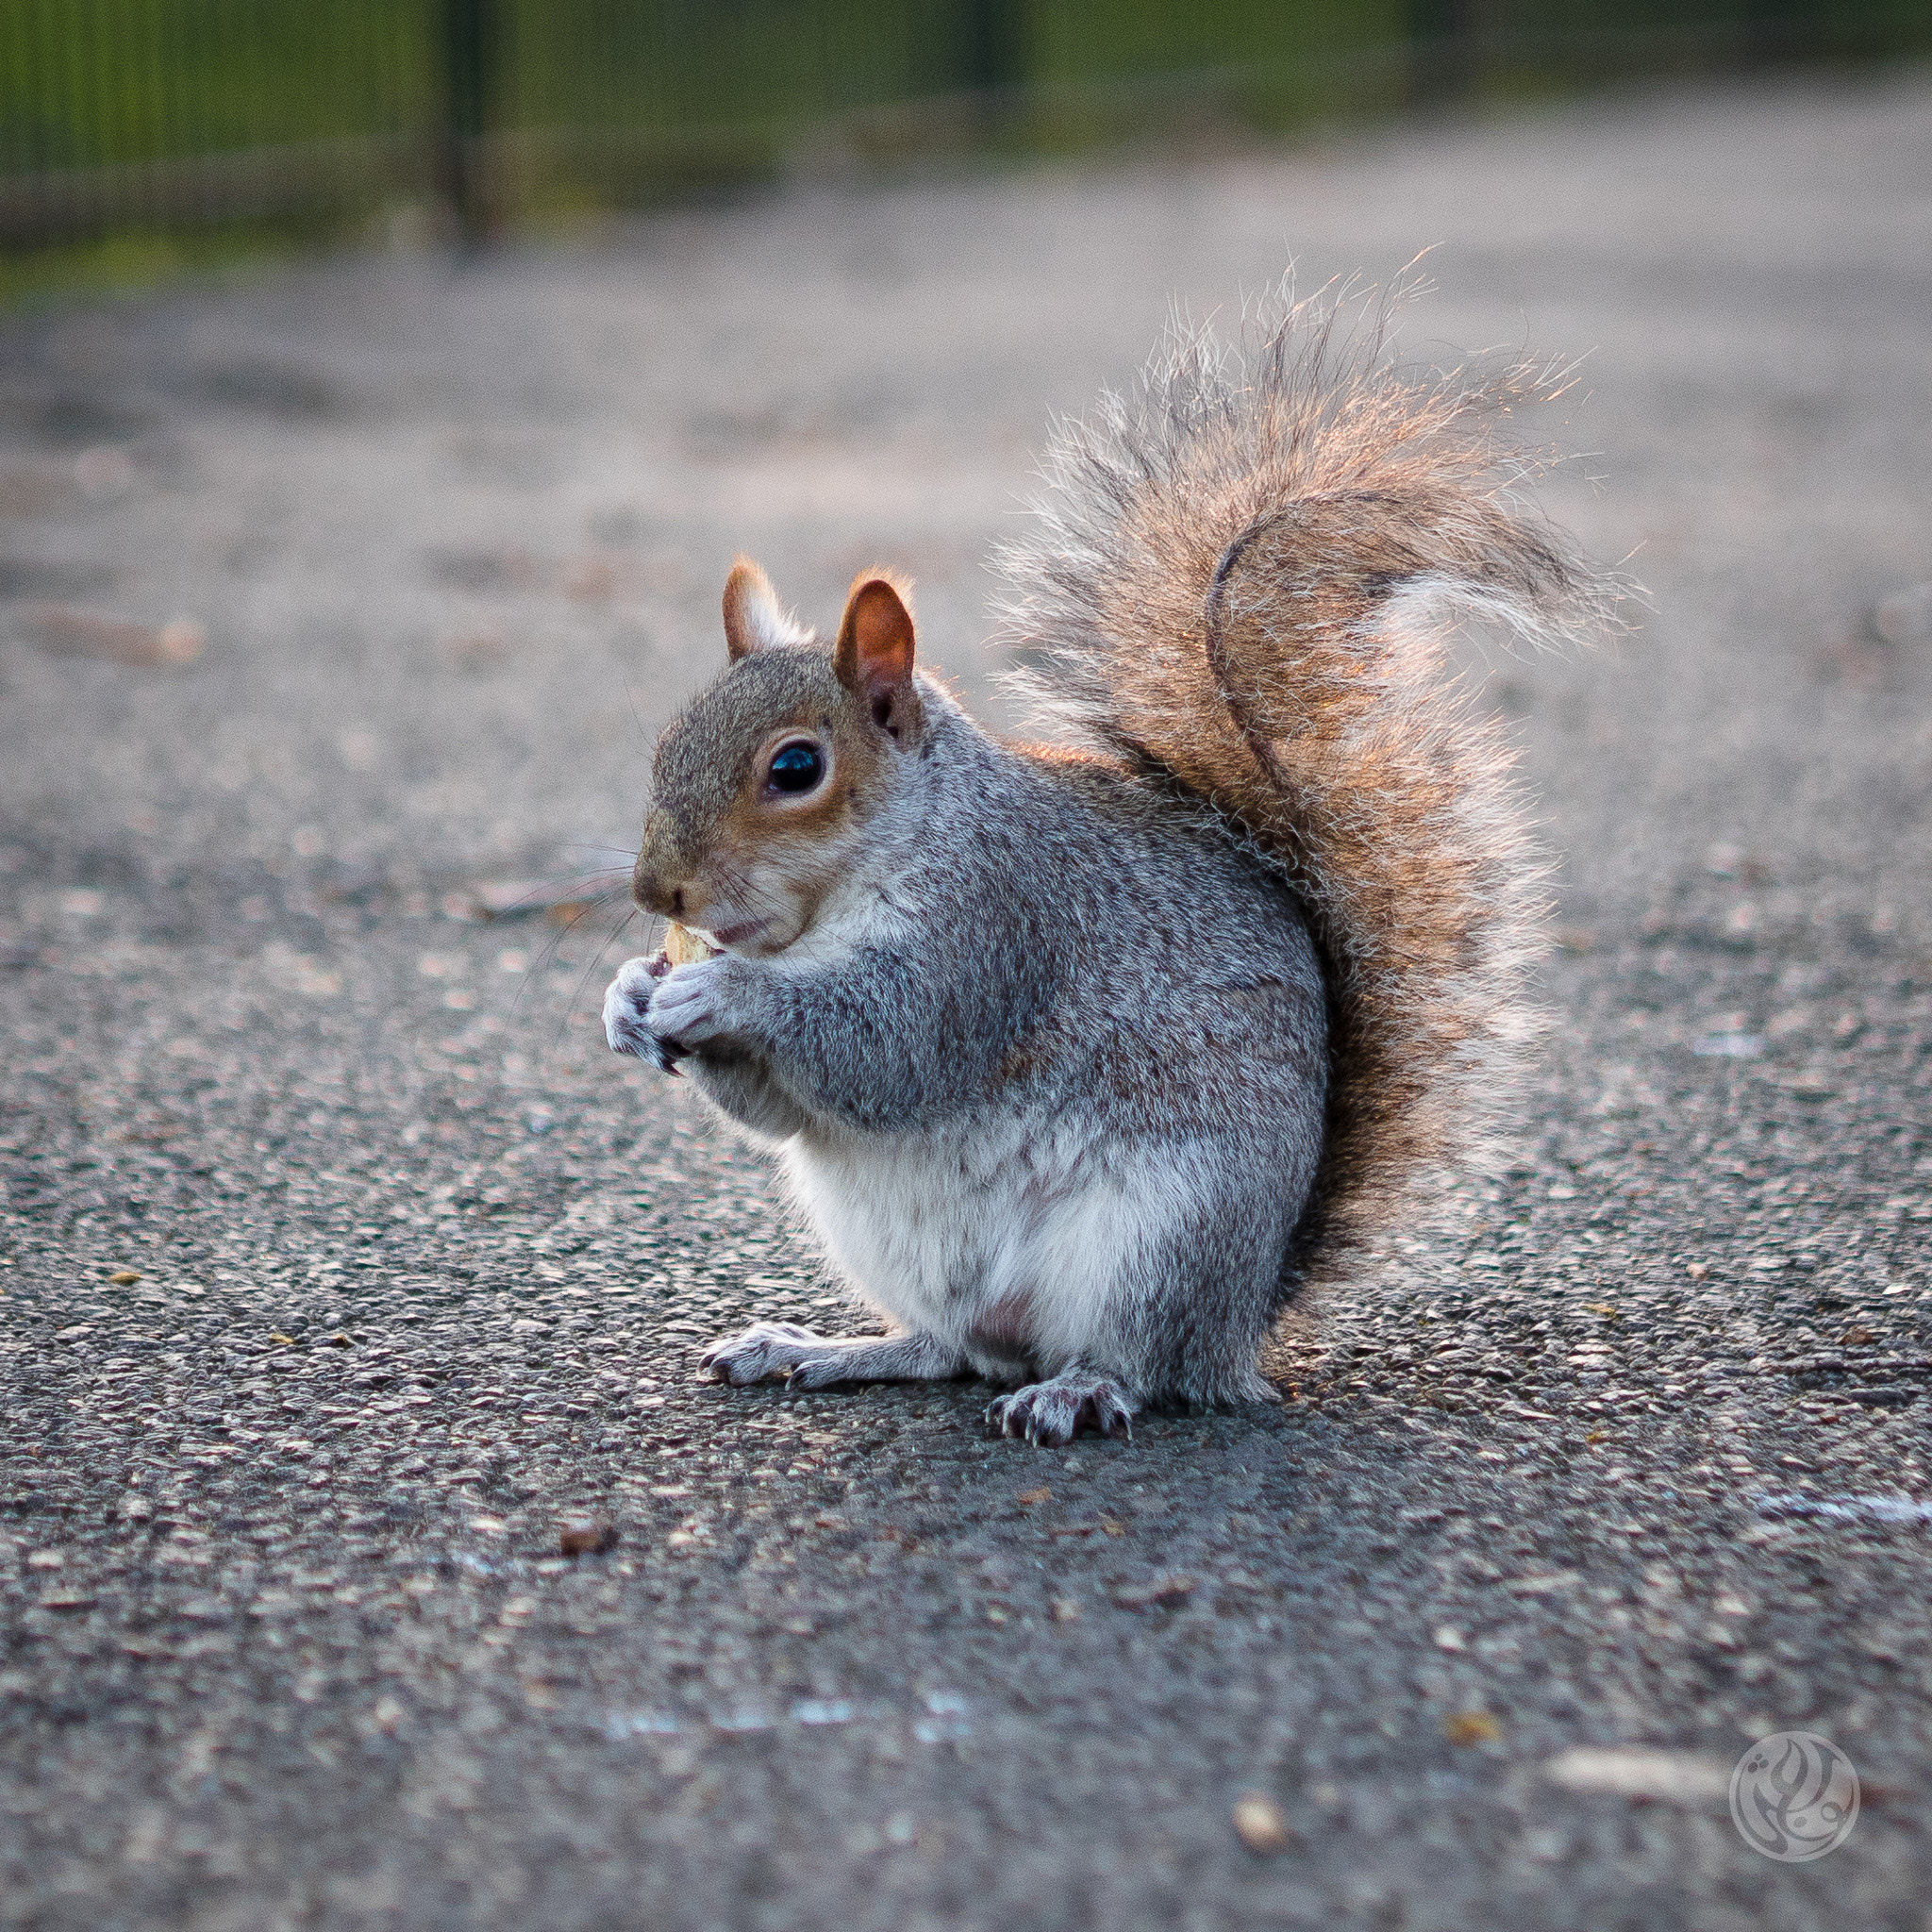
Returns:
(782, 1351)
(1050, 1414)
(765, 1350)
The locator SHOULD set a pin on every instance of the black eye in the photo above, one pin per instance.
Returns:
(796, 768)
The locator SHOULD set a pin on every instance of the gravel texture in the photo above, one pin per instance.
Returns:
(343, 1272)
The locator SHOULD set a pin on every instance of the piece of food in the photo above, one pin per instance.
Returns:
(683, 948)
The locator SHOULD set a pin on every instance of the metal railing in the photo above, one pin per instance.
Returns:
(170, 113)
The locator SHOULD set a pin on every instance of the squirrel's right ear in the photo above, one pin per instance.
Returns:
(753, 618)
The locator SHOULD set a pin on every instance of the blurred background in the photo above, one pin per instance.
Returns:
(474, 335)
(136, 135)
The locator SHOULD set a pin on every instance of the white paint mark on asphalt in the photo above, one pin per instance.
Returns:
(1846, 1508)
(1673, 1777)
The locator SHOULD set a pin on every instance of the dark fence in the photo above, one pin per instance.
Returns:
(168, 113)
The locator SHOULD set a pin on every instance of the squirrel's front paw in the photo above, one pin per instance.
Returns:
(687, 1008)
(626, 1007)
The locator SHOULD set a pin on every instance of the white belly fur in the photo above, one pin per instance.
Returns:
(1030, 1239)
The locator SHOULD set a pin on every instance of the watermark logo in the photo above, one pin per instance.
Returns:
(1794, 1797)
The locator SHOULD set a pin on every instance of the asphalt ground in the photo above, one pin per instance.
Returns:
(423, 1271)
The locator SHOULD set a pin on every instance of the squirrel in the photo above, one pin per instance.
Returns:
(1088, 1059)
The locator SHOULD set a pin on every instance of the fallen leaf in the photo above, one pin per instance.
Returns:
(1470, 1727)
(66, 630)
(1162, 1593)
(586, 1535)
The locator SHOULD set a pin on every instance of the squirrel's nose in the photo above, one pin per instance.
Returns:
(654, 891)
(658, 881)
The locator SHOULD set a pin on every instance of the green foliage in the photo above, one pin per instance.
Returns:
(130, 261)
(1075, 41)
(283, 117)
(710, 63)
(95, 82)
(91, 82)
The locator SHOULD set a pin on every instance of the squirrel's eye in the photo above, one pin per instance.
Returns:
(796, 768)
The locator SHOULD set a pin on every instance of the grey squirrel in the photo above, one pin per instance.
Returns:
(1086, 1059)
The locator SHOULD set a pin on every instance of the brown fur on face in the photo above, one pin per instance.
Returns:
(721, 850)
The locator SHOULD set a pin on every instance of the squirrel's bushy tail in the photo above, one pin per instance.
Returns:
(1246, 575)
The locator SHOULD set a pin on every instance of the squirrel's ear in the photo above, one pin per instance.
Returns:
(874, 659)
(753, 618)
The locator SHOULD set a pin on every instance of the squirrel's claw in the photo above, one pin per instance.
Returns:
(1050, 1414)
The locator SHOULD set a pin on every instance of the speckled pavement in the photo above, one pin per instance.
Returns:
(342, 1269)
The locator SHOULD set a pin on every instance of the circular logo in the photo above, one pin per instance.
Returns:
(1794, 1797)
